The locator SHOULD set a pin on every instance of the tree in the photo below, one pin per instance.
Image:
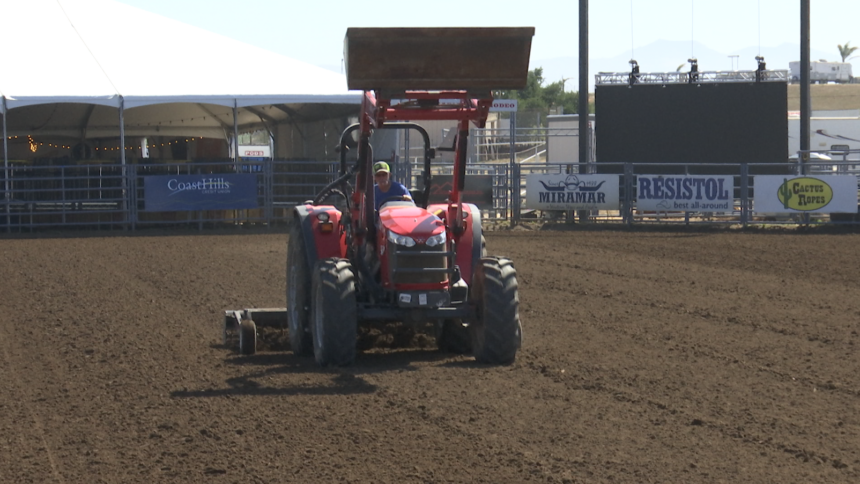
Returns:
(540, 99)
(846, 50)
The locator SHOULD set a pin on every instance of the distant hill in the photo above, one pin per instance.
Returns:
(667, 55)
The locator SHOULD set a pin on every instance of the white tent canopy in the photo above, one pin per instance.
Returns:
(94, 51)
(87, 69)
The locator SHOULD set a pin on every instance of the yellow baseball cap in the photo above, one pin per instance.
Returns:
(381, 166)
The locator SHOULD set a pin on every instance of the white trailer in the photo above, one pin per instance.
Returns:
(822, 71)
(838, 137)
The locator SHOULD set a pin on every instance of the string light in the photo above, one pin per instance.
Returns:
(34, 144)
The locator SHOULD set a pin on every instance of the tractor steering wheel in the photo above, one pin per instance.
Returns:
(396, 198)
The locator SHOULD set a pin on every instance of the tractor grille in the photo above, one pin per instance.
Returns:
(419, 264)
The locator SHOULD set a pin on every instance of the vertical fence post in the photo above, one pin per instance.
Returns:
(745, 194)
(515, 195)
(63, 193)
(570, 215)
(270, 191)
(132, 175)
(627, 204)
(513, 156)
(7, 194)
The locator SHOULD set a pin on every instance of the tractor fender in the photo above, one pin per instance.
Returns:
(477, 233)
(471, 239)
(319, 244)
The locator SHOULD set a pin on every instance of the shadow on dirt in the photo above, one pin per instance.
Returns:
(382, 348)
(249, 385)
(344, 381)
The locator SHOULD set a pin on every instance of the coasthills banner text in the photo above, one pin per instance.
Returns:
(200, 192)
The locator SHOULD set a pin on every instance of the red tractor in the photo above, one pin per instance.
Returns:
(410, 261)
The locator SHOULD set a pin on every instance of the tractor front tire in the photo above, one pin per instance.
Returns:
(496, 331)
(334, 313)
(298, 294)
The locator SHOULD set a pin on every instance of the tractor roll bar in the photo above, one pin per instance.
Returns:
(429, 154)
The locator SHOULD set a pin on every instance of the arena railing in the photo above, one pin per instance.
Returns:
(106, 197)
(628, 212)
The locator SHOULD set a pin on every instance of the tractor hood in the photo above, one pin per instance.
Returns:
(411, 221)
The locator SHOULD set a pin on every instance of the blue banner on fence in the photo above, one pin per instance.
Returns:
(199, 192)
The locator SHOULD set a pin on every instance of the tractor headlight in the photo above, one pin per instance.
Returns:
(436, 240)
(401, 239)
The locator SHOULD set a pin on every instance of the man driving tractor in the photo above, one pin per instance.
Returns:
(387, 189)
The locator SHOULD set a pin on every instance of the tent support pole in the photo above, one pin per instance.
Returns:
(236, 133)
(126, 193)
(236, 147)
(7, 195)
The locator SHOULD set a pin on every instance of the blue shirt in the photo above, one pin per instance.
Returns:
(395, 190)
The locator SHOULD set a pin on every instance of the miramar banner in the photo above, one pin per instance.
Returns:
(805, 194)
(572, 192)
(666, 193)
(199, 192)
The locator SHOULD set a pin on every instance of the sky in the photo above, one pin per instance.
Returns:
(313, 31)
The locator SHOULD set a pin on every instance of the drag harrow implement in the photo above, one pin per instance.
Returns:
(242, 325)
(353, 261)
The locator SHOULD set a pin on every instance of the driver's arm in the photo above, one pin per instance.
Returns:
(407, 195)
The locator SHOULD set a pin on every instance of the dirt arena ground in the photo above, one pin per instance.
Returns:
(650, 356)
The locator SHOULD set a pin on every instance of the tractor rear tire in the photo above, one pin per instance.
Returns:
(496, 331)
(334, 313)
(247, 337)
(298, 294)
(453, 337)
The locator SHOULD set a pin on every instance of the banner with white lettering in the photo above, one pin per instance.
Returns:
(666, 193)
(572, 192)
(168, 193)
(805, 194)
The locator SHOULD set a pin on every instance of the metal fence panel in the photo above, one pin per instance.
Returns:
(112, 196)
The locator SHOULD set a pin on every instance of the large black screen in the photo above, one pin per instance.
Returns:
(691, 123)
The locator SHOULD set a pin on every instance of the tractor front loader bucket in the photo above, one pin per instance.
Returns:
(437, 59)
